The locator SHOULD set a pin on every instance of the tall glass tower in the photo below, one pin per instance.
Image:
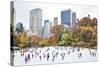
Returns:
(68, 17)
(46, 32)
(36, 21)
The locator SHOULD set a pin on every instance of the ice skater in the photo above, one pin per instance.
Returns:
(56, 54)
(40, 57)
(26, 59)
(48, 56)
(53, 58)
(63, 55)
(32, 55)
(28, 56)
(79, 55)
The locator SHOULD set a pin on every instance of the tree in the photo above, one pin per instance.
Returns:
(16, 41)
(88, 30)
(57, 31)
(22, 39)
(66, 39)
(28, 41)
(86, 36)
(35, 40)
(57, 28)
(85, 21)
(44, 42)
(76, 36)
(52, 40)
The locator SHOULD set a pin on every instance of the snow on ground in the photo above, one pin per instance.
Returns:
(40, 55)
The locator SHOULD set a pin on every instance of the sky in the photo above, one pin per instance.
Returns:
(50, 10)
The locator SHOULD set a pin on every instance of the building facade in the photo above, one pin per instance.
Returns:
(68, 17)
(46, 30)
(55, 20)
(19, 27)
(36, 21)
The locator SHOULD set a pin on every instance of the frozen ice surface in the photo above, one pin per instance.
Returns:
(69, 54)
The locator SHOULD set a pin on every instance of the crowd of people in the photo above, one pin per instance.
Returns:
(51, 54)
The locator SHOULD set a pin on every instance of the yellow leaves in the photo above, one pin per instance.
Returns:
(87, 23)
(22, 38)
(89, 28)
(43, 42)
(21, 45)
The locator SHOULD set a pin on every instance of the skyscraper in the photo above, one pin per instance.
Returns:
(36, 21)
(46, 32)
(55, 20)
(19, 27)
(68, 17)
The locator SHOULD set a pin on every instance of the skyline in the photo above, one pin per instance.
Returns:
(52, 33)
(23, 11)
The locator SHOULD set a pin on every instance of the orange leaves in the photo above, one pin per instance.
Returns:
(35, 39)
(85, 19)
(86, 28)
(57, 28)
(52, 40)
(87, 23)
